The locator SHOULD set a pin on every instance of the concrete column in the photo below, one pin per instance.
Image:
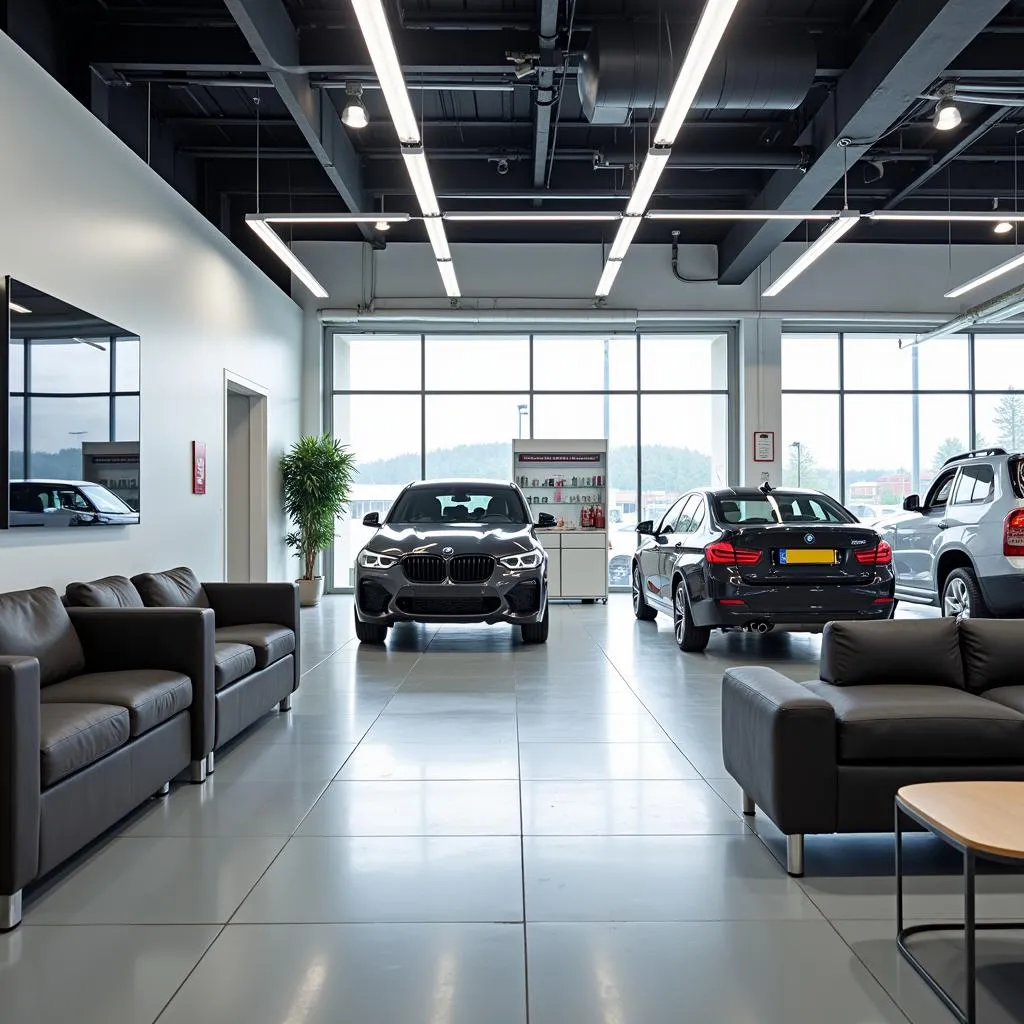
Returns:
(760, 398)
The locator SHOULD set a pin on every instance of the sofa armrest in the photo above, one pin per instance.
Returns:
(240, 604)
(779, 744)
(173, 639)
(19, 773)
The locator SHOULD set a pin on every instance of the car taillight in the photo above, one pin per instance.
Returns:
(1013, 533)
(882, 555)
(723, 553)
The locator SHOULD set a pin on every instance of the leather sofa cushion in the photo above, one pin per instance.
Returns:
(73, 736)
(893, 652)
(232, 662)
(109, 592)
(175, 588)
(34, 624)
(993, 653)
(270, 642)
(151, 696)
(1008, 696)
(916, 724)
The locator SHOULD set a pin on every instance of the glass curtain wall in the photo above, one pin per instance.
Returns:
(430, 406)
(870, 423)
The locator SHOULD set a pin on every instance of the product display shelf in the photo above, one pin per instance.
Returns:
(568, 479)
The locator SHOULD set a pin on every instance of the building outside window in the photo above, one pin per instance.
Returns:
(871, 423)
(427, 406)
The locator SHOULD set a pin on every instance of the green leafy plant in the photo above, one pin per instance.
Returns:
(317, 474)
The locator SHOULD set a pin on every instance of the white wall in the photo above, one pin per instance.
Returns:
(83, 218)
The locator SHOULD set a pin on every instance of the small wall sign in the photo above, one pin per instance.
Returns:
(764, 446)
(198, 467)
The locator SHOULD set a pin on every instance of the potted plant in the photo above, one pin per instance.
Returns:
(317, 476)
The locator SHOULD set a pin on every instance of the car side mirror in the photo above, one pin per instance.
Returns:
(371, 519)
(912, 503)
(546, 521)
(646, 528)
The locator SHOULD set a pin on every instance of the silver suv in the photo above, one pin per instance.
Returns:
(962, 548)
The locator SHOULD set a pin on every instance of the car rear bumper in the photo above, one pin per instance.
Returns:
(1004, 595)
(514, 597)
(792, 605)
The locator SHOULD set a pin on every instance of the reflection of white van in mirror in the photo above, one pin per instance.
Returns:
(67, 503)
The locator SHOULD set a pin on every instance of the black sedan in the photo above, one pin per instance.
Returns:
(454, 551)
(756, 560)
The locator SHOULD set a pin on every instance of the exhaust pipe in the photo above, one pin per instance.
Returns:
(758, 627)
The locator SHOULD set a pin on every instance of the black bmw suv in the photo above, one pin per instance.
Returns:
(454, 551)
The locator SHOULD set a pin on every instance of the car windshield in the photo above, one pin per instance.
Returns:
(445, 504)
(780, 507)
(106, 501)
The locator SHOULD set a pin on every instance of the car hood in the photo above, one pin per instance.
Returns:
(465, 539)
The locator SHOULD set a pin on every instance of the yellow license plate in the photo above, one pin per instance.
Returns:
(807, 556)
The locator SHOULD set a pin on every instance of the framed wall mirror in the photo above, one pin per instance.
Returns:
(70, 383)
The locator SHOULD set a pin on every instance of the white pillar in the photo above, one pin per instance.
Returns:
(760, 398)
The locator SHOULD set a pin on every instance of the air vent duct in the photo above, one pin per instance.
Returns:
(620, 71)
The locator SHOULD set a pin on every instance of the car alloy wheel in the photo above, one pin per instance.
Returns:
(956, 603)
(637, 596)
(679, 605)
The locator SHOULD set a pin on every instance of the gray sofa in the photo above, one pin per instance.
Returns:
(897, 702)
(99, 710)
(255, 658)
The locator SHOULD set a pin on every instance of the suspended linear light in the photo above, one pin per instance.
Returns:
(989, 216)
(989, 275)
(18, 308)
(647, 182)
(742, 215)
(419, 175)
(276, 244)
(438, 238)
(626, 233)
(448, 278)
(846, 221)
(611, 271)
(330, 218)
(528, 216)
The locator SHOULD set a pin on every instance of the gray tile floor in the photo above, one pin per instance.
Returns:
(461, 830)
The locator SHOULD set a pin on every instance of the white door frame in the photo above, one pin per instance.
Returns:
(259, 507)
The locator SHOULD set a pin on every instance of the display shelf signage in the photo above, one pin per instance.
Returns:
(571, 457)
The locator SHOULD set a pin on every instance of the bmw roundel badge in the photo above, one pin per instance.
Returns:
(447, 551)
(809, 538)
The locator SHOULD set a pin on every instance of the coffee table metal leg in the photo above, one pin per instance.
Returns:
(969, 935)
(899, 872)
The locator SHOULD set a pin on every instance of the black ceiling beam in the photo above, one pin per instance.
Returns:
(953, 153)
(268, 29)
(547, 11)
(992, 55)
(913, 46)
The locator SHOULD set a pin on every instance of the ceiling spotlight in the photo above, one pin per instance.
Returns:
(354, 114)
(947, 115)
(383, 225)
(1004, 227)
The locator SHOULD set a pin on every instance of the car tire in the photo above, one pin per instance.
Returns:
(961, 596)
(370, 632)
(537, 632)
(641, 609)
(691, 639)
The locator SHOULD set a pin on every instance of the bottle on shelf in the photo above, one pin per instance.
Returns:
(599, 517)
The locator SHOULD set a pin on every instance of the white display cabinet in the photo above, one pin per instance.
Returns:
(569, 480)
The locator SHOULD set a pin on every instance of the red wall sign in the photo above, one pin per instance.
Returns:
(198, 467)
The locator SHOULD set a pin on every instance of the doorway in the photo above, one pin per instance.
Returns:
(245, 481)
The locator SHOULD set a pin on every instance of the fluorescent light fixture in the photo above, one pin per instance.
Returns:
(714, 20)
(438, 239)
(645, 185)
(287, 257)
(18, 308)
(451, 283)
(989, 275)
(742, 215)
(947, 115)
(839, 227)
(611, 271)
(329, 218)
(1004, 227)
(419, 173)
(528, 216)
(624, 239)
(990, 217)
(374, 25)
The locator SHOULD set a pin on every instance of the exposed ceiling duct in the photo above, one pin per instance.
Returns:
(630, 66)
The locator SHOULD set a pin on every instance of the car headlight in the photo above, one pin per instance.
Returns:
(375, 560)
(529, 560)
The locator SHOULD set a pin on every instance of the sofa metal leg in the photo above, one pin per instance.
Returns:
(10, 911)
(286, 704)
(197, 770)
(164, 790)
(209, 763)
(748, 805)
(795, 855)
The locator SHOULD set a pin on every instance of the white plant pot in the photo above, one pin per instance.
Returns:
(310, 591)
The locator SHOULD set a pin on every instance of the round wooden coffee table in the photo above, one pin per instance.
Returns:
(980, 819)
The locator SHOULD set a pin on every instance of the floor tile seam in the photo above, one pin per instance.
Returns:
(522, 870)
(188, 975)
